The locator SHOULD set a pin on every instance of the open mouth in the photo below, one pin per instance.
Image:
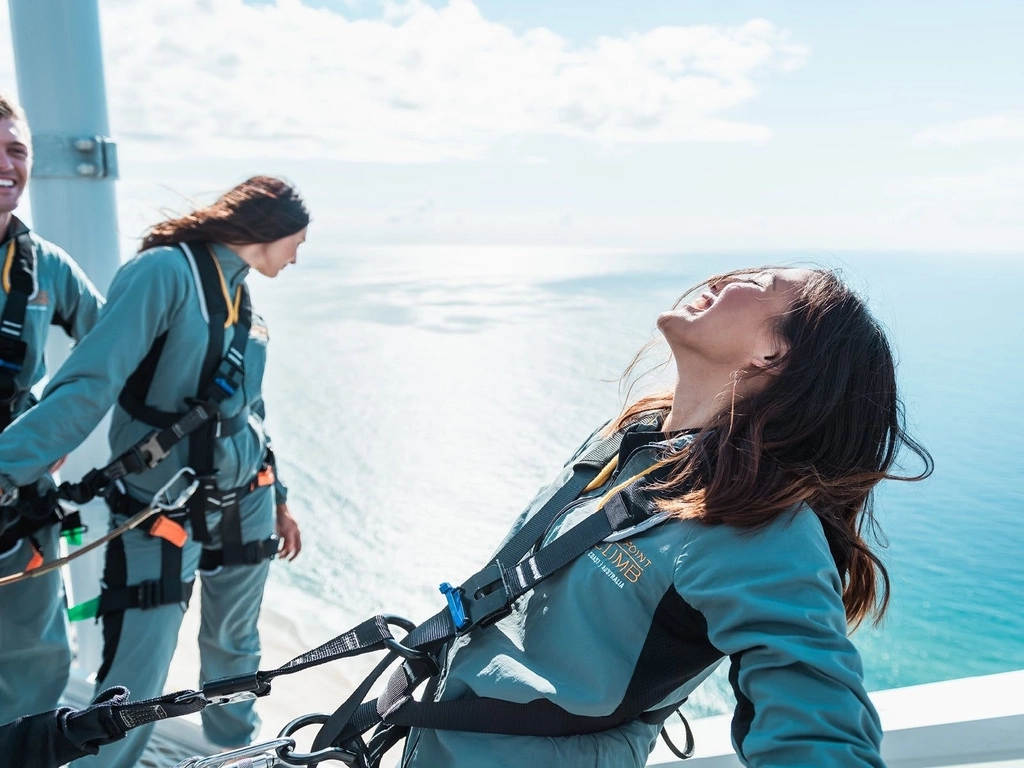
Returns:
(702, 302)
(8, 183)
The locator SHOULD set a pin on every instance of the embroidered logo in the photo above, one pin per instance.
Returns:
(41, 299)
(621, 561)
(259, 331)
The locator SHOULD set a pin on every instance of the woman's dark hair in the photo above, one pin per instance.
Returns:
(825, 431)
(259, 210)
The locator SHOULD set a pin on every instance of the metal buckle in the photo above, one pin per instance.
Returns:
(151, 452)
(485, 597)
(227, 690)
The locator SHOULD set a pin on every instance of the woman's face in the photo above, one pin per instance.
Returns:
(729, 325)
(280, 253)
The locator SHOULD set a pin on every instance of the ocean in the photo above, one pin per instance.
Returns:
(418, 397)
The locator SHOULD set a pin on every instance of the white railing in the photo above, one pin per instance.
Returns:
(973, 720)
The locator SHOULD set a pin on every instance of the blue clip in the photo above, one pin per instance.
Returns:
(454, 596)
(223, 384)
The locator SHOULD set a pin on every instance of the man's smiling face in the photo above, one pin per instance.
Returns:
(15, 162)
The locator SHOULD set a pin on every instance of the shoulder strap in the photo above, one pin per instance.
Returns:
(19, 278)
(201, 422)
(215, 312)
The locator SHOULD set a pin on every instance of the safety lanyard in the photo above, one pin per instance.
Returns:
(233, 306)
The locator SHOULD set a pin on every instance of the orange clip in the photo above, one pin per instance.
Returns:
(165, 528)
(265, 476)
(36, 560)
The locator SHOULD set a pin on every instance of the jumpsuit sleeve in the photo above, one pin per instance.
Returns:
(772, 601)
(77, 303)
(145, 295)
(280, 489)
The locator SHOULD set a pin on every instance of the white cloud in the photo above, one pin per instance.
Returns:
(1006, 126)
(219, 78)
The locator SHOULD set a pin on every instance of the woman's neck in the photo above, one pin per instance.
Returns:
(701, 393)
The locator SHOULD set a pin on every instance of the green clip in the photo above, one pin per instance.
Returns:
(73, 536)
(86, 610)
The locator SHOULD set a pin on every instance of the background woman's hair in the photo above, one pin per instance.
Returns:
(825, 431)
(259, 210)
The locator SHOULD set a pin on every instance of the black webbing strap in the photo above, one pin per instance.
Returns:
(168, 589)
(355, 717)
(13, 348)
(489, 593)
(230, 524)
(252, 553)
(220, 376)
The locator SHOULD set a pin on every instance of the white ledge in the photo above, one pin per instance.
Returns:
(973, 720)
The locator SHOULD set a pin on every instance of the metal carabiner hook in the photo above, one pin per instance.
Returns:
(289, 756)
(176, 491)
(267, 750)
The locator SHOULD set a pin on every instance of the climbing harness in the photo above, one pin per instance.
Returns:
(20, 284)
(487, 596)
(221, 376)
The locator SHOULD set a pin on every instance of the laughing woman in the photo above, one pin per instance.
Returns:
(754, 476)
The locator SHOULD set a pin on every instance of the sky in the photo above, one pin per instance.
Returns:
(653, 125)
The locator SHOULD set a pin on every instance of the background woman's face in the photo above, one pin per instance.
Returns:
(729, 325)
(280, 253)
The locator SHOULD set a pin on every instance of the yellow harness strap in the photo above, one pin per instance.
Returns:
(606, 472)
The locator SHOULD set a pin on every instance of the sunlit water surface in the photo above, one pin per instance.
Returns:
(419, 397)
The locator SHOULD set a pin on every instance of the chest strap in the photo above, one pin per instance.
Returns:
(19, 283)
(221, 376)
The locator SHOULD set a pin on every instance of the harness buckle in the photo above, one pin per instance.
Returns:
(484, 597)
(149, 451)
(227, 690)
(149, 594)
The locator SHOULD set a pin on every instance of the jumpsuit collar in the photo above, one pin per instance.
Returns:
(15, 227)
(235, 270)
(642, 433)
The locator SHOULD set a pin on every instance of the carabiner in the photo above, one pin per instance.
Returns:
(176, 491)
(288, 756)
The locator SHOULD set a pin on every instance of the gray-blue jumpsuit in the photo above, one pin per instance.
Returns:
(34, 653)
(158, 293)
(656, 611)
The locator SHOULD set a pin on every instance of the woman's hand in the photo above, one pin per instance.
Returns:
(288, 532)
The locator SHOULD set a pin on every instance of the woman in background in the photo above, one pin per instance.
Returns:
(177, 330)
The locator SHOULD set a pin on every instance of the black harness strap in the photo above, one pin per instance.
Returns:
(394, 712)
(201, 445)
(117, 595)
(252, 553)
(13, 348)
(201, 423)
(488, 595)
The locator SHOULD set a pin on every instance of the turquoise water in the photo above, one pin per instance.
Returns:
(419, 397)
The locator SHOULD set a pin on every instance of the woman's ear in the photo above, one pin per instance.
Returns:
(769, 352)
